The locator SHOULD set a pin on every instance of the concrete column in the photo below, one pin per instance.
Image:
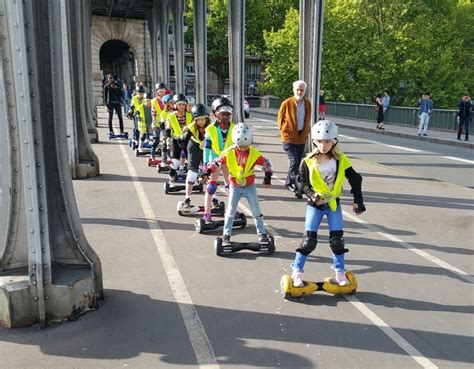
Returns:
(90, 89)
(200, 50)
(236, 14)
(48, 270)
(177, 10)
(163, 8)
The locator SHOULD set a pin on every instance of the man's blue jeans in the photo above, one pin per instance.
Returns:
(235, 194)
(295, 155)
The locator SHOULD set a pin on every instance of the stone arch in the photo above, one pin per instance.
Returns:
(133, 32)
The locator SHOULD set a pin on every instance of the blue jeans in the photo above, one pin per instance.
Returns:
(424, 121)
(126, 106)
(250, 193)
(295, 155)
(313, 220)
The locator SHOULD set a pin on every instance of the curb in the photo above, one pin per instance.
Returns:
(441, 141)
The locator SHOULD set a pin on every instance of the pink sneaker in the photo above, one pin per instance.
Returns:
(341, 278)
(207, 218)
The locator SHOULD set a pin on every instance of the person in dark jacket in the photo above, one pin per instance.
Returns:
(320, 177)
(113, 101)
(464, 116)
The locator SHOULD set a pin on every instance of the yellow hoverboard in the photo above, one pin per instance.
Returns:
(329, 285)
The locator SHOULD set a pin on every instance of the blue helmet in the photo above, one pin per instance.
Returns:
(166, 99)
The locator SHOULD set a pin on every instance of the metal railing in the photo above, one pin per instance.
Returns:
(441, 119)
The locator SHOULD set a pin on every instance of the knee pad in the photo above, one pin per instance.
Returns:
(191, 177)
(183, 154)
(211, 187)
(307, 246)
(336, 241)
(175, 164)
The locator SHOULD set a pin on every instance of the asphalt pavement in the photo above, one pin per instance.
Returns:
(171, 302)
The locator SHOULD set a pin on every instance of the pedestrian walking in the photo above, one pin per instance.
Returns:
(322, 105)
(424, 111)
(385, 101)
(464, 116)
(379, 110)
(113, 101)
(294, 123)
(127, 96)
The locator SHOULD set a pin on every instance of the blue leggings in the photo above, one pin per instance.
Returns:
(313, 220)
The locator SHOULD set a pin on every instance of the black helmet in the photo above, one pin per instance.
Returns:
(179, 97)
(160, 86)
(199, 110)
(221, 101)
(140, 89)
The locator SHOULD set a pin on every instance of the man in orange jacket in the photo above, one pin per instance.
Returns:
(294, 123)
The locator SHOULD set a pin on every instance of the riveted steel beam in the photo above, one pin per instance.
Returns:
(177, 12)
(200, 49)
(236, 15)
(163, 9)
(56, 275)
(88, 163)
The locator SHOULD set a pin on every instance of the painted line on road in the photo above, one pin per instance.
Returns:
(196, 332)
(409, 149)
(264, 120)
(462, 274)
(459, 159)
(390, 332)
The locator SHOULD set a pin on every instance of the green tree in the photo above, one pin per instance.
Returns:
(282, 51)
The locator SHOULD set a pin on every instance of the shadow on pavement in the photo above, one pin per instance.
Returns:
(130, 324)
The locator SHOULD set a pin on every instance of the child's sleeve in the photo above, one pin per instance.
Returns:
(355, 181)
(207, 156)
(303, 181)
(265, 164)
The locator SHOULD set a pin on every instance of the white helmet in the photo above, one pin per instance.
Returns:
(242, 134)
(324, 130)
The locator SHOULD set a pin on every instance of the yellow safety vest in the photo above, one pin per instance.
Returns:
(214, 136)
(141, 125)
(318, 184)
(195, 135)
(235, 169)
(136, 102)
(174, 124)
(155, 103)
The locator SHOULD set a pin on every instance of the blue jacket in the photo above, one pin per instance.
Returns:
(426, 106)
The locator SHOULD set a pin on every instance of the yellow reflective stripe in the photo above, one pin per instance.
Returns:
(236, 170)
(318, 184)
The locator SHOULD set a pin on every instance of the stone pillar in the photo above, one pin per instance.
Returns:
(200, 50)
(48, 271)
(236, 14)
(177, 10)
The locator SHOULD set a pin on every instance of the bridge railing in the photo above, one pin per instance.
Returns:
(441, 119)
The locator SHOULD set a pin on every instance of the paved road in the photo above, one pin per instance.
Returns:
(171, 302)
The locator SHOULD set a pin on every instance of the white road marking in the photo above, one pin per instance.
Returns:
(264, 120)
(467, 277)
(409, 149)
(401, 148)
(196, 332)
(459, 159)
(390, 332)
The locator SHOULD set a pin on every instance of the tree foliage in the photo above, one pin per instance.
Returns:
(405, 46)
(282, 50)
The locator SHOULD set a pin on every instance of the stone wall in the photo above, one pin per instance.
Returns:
(130, 31)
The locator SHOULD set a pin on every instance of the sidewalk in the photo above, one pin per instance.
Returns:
(440, 137)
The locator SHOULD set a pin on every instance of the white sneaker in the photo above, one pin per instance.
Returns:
(341, 278)
(297, 278)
